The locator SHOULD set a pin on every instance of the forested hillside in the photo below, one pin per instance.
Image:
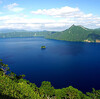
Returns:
(15, 87)
(77, 33)
(74, 33)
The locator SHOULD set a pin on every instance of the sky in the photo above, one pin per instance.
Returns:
(51, 15)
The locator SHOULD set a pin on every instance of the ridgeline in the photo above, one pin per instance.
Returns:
(78, 34)
(74, 33)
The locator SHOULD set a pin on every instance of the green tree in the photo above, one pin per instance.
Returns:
(12, 75)
(60, 93)
(95, 94)
(72, 93)
(46, 89)
(4, 67)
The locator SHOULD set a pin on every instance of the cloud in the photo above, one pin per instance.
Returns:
(19, 22)
(69, 16)
(64, 12)
(57, 12)
(59, 19)
(14, 7)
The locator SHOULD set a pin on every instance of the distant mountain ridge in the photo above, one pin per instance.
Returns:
(11, 30)
(77, 33)
(22, 33)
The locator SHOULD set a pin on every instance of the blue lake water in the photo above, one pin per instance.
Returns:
(62, 63)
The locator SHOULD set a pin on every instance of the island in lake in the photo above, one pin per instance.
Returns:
(43, 47)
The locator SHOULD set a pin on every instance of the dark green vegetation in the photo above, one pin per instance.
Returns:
(43, 47)
(74, 33)
(77, 33)
(15, 87)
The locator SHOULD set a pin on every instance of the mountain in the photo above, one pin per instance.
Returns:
(74, 33)
(11, 30)
(77, 33)
(23, 33)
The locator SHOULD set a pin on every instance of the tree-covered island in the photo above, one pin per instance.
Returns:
(43, 47)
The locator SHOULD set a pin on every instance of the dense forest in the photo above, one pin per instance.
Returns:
(16, 87)
(77, 33)
(74, 33)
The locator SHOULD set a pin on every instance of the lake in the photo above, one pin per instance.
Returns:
(62, 63)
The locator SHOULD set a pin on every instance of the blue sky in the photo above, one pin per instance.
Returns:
(53, 15)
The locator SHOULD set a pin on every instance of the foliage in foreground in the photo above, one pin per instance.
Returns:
(15, 87)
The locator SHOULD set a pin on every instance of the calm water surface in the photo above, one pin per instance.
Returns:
(62, 63)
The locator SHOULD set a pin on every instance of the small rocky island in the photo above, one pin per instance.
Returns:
(43, 47)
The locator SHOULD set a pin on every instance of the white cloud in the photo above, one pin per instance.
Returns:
(62, 18)
(18, 22)
(14, 7)
(70, 16)
(64, 12)
(57, 12)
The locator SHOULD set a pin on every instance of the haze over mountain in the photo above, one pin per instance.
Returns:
(74, 33)
(11, 30)
(22, 33)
